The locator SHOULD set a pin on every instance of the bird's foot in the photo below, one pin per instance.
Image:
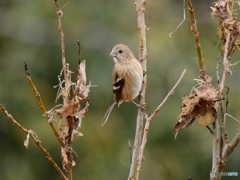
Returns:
(141, 106)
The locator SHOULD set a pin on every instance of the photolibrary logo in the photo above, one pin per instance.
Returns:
(217, 174)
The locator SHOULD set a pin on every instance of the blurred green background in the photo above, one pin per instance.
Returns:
(28, 32)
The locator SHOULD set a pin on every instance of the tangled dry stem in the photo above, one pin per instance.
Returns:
(71, 110)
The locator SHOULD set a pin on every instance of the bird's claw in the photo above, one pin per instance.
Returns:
(142, 106)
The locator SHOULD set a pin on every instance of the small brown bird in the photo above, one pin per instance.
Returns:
(127, 77)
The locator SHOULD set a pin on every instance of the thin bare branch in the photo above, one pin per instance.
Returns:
(140, 9)
(40, 103)
(228, 26)
(226, 64)
(149, 120)
(184, 18)
(216, 136)
(196, 35)
(130, 150)
(65, 65)
(35, 139)
(229, 148)
(37, 94)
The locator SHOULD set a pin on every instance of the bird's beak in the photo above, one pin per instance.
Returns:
(113, 54)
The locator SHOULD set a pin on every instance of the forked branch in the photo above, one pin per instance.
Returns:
(35, 139)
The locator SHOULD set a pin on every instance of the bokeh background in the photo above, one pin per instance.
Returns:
(28, 33)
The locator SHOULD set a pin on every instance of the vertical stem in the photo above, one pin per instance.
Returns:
(140, 8)
(196, 35)
(65, 65)
(60, 14)
(215, 138)
(215, 150)
(214, 145)
(66, 95)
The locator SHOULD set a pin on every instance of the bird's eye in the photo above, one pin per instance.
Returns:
(120, 51)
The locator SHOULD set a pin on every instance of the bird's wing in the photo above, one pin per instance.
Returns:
(118, 84)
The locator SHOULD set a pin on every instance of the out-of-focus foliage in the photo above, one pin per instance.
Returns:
(28, 32)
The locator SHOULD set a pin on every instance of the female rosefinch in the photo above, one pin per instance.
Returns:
(127, 77)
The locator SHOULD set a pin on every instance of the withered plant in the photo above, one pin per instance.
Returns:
(74, 95)
(205, 100)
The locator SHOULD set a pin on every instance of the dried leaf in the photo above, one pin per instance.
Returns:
(198, 105)
(79, 116)
(65, 159)
(208, 117)
(184, 122)
(62, 92)
(220, 10)
(26, 142)
(79, 134)
(189, 103)
(73, 163)
(67, 109)
(206, 92)
(50, 115)
(81, 76)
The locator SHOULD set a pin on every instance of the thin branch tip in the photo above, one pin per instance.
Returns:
(184, 18)
(26, 68)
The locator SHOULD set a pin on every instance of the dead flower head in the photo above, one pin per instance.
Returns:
(199, 105)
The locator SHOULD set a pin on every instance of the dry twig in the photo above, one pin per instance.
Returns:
(149, 120)
(229, 29)
(140, 9)
(35, 139)
(40, 103)
(71, 110)
(196, 35)
(141, 136)
(206, 100)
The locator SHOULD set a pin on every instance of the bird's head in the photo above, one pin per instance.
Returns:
(121, 52)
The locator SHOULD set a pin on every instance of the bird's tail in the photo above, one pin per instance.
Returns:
(105, 117)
